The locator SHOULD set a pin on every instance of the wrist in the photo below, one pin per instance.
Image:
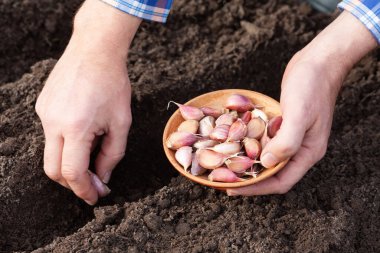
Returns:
(101, 30)
(337, 48)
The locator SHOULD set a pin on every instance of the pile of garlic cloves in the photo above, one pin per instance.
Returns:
(224, 142)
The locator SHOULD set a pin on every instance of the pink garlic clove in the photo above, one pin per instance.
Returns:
(205, 143)
(223, 175)
(255, 128)
(196, 169)
(240, 164)
(180, 139)
(246, 117)
(220, 133)
(184, 157)
(274, 125)
(100, 187)
(189, 112)
(264, 139)
(252, 147)
(225, 119)
(206, 126)
(215, 113)
(239, 103)
(227, 148)
(189, 126)
(238, 131)
(209, 159)
(257, 113)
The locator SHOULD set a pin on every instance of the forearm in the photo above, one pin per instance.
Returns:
(338, 47)
(101, 29)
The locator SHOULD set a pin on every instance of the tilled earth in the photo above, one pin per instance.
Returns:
(205, 46)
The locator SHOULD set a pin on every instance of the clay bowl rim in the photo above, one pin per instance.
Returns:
(253, 95)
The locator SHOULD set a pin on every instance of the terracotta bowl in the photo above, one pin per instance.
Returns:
(217, 99)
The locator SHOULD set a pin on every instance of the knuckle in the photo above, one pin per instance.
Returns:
(288, 149)
(53, 174)
(321, 151)
(115, 157)
(82, 192)
(69, 174)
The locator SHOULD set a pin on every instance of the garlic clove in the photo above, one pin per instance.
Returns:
(184, 157)
(180, 139)
(206, 126)
(252, 147)
(209, 159)
(225, 119)
(189, 112)
(189, 126)
(205, 143)
(239, 103)
(220, 133)
(227, 148)
(240, 164)
(238, 131)
(264, 139)
(215, 113)
(257, 113)
(100, 187)
(255, 128)
(223, 175)
(246, 117)
(196, 169)
(273, 126)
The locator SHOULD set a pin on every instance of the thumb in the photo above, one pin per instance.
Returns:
(287, 141)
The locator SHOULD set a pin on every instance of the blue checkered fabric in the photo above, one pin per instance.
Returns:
(155, 10)
(367, 11)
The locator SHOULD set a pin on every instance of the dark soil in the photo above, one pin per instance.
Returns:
(205, 46)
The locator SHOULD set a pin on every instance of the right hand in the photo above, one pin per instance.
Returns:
(83, 99)
(87, 96)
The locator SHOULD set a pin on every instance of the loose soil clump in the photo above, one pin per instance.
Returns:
(205, 46)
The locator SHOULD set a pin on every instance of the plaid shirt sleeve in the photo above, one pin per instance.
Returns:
(155, 10)
(367, 11)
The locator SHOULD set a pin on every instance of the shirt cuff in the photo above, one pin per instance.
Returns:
(367, 11)
(154, 10)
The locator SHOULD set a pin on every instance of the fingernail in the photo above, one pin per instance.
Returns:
(106, 177)
(232, 193)
(102, 189)
(269, 160)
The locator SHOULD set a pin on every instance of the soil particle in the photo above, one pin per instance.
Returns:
(206, 45)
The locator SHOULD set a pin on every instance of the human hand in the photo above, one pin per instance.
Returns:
(310, 86)
(88, 96)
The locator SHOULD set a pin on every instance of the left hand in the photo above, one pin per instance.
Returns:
(310, 86)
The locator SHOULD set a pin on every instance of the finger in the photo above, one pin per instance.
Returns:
(111, 152)
(286, 142)
(53, 158)
(283, 181)
(75, 162)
